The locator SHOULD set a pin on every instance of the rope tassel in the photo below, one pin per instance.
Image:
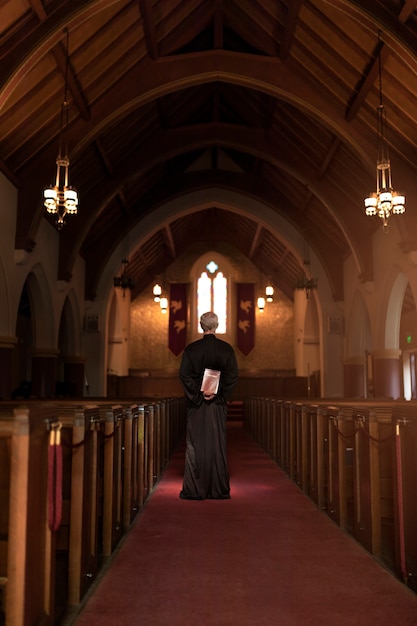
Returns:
(55, 478)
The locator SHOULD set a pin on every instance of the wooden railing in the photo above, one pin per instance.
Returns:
(357, 461)
(256, 382)
(92, 468)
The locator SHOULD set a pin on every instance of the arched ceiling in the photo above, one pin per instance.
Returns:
(274, 100)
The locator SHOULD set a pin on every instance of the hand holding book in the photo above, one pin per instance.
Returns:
(210, 382)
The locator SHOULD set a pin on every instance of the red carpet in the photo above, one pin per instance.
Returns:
(267, 557)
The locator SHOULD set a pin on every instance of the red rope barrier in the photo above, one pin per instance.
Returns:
(343, 435)
(54, 479)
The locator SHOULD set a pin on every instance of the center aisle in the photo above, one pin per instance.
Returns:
(267, 557)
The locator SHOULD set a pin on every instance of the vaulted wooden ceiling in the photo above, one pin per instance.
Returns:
(275, 100)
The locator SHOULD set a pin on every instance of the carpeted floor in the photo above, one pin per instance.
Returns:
(266, 557)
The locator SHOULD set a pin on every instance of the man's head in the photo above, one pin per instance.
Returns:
(209, 321)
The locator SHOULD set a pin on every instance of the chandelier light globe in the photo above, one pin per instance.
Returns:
(371, 204)
(51, 199)
(398, 203)
(70, 200)
(164, 305)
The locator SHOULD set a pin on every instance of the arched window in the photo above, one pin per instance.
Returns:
(212, 295)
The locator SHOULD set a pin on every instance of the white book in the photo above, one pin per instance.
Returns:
(210, 382)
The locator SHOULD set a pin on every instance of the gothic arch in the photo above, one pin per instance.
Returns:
(43, 323)
(70, 326)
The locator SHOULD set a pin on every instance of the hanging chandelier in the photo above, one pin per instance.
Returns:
(385, 201)
(61, 199)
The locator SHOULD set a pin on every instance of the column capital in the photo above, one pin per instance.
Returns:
(8, 341)
(45, 353)
(386, 354)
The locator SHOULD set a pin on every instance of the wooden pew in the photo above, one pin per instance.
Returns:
(374, 450)
(6, 432)
(131, 490)
(113, 484)
(45, 574)
(150, 448)
(343, 455)
(404, 488)
(28, 545)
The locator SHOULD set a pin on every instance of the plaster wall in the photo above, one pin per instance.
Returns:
(392, 265)
(16, 265)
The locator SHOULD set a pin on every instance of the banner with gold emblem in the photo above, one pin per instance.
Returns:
(177, 317)
(245, 317)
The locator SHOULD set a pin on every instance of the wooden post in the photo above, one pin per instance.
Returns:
(127, 468)
(19, 480)
(141, 459)
(150, 446)
(108, 486)
(76, 517)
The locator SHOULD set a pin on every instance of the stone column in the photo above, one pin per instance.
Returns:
(44, 371)
(354, 382)
(7, 350)
(387, 376)
(74, 376)
(300, 307)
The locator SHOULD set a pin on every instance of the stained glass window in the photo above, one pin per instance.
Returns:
(212, 295)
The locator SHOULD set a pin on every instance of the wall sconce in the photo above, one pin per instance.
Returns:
(163, 303)
(124, 281)
(261, 304)
(269, 292)
(304, 282)
(157, 291)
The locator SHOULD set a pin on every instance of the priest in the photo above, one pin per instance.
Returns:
(208, 373)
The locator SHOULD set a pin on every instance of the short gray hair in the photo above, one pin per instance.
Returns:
(209, 321)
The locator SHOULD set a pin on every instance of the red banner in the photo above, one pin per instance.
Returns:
(177, 318)
(245, 317)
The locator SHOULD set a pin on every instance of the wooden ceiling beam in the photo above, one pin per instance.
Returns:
(329, 157)
(103, 157)
(293, 11)
(191, 26)
(146, 11)
(257, 240)
(38, 8)
(218, 25)
(169, 240)
(371, 73)
(59, 54)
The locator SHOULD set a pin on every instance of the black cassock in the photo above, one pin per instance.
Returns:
(206, 473)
